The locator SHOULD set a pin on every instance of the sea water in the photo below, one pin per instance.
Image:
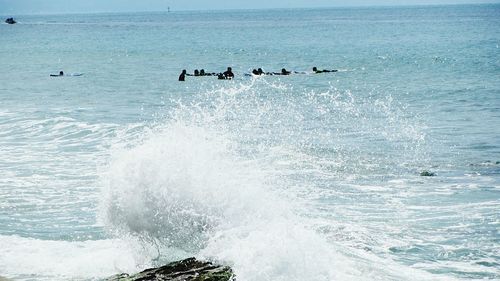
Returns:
(299, 177)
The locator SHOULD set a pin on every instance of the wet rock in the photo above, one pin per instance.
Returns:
(427, 174)
(185, 270)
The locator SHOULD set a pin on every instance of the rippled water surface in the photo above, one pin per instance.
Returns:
(300, 177)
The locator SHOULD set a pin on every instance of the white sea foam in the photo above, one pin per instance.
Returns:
(187, 185)
(33, 259)
(184, 188)
(217, 179)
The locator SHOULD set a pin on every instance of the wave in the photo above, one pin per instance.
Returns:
(268, 179)
(213, 180)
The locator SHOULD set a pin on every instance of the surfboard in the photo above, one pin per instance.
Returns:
(71, 74)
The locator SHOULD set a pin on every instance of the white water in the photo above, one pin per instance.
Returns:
(187, 185)
(235, 176)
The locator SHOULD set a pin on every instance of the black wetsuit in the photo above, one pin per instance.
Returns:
(182, 77)
(228, 74)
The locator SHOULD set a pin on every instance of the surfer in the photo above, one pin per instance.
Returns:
(228, 74)
(203, 73)
(259, 71)
(315, 69)
(283, 72)
(61, 73)
(182, 77)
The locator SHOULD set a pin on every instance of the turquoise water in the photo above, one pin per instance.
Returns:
(300, 177)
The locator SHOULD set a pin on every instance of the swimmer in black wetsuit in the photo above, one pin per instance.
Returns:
(182, 77)
(203, 73)
(283, 72)
(315, 69)
(228, 74)
(61, 73)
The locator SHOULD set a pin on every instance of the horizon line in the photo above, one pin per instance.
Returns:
(250, 9)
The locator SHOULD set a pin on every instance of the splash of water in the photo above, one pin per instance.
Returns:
(212, 180)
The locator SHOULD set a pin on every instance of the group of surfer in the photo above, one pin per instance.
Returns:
(228, 74)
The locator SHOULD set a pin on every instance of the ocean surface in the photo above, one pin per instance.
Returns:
(299, 177)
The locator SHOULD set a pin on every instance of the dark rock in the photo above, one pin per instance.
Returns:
(185, 270)
(10, 21)
(427, 174)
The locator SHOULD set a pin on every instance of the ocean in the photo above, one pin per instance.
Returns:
(298, 177)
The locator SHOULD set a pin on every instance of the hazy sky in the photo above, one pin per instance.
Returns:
(84, 6)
